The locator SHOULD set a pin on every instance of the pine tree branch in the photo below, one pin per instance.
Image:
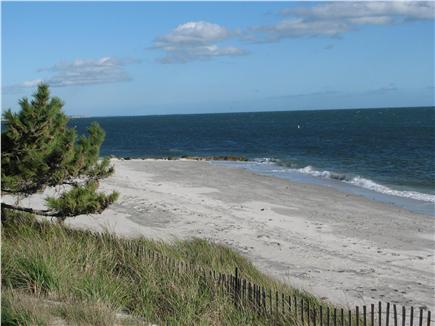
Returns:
(30, 210)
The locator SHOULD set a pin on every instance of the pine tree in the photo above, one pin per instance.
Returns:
(39, 150)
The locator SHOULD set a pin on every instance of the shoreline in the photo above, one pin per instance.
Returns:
(338, 246)
(411, 200)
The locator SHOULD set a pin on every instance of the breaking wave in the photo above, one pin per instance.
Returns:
(354, 180)
(366, 183)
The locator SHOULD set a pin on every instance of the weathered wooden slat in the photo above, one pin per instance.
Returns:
(357, 315)
(282, 302)
(411, 318)
(289, 304)
(327, 316)
(321, 315)
(403, 315)
(365, 315)
(276, 303)
(387, 322)
(264, 299)
(308, 312)
(372, 314)
(296, 307)
(380, 313)
(342, 317)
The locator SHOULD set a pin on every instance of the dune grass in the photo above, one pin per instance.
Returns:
(96, 278)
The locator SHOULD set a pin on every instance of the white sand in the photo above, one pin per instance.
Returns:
(343, 247)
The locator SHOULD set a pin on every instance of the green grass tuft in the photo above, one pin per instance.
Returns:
(102, 273)
(16, 311)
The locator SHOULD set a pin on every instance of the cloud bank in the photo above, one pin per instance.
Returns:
(196, 40)
(81, 72)
(332, 19)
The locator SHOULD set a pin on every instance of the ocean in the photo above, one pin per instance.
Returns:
(384, 154)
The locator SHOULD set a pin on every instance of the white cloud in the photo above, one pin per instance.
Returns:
(200, 32)
(31, 83)
(297, 27)
(195, 41)
(336, 18)
(371, 20)
(86, 72)
(401, 10)
(81, 72)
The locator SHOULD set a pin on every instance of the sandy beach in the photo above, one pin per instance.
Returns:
(338, 246)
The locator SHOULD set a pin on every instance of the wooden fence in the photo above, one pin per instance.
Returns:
(297, 309)
(284, 309)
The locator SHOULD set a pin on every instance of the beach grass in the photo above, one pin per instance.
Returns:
(53, 272)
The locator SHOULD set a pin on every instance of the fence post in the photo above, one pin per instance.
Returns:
(282, 302)
(395, 314)
(327, 316)
(308, 312)
(244, 291)
(421, 317)
(296, 307)
(365, 315)
(321, 315)
(372, 314)
(412, 316)
(276, 303)
(380, 314)
(257, 303)
(388, 314)
(264, 299)
(403, 315)
(357, 315)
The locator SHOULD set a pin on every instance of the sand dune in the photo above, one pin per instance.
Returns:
(343, 247)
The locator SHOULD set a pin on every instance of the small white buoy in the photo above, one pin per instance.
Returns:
(299, 126)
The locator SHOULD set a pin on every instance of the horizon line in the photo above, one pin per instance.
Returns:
(79, 116)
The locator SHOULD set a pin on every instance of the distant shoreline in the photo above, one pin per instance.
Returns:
(259, 111)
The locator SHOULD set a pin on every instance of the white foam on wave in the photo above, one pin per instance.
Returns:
(323, 174)
(367, 184)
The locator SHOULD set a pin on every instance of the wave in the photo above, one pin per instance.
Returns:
(367, 184)
(354, 180)
(324, 174)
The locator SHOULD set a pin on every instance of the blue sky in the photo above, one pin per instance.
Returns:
(139, 58)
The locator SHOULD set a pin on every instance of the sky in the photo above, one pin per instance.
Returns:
(142, 58)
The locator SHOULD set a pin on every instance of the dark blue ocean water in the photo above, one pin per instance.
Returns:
(379, 149)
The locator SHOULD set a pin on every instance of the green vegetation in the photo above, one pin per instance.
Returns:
(39, 150)
(55, 275)
(51, 272)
